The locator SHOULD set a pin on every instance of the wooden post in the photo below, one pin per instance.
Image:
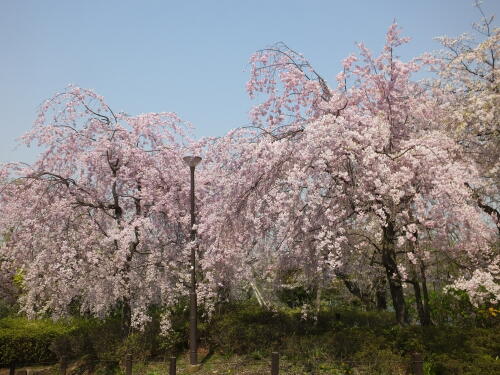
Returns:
(417, 364)
(275, 363)
(63, 366)
(12, 368)
(128, 364)
(173, 366)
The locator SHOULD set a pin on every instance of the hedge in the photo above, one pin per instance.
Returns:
(28, 341)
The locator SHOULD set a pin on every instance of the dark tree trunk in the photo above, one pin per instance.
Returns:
(354, 289)
(422, 307)
(317, 307)
(381, 293)
(427, 309)
(126, 323)
(393, 276)
(419, 283)
(418, 301)
(380, 287)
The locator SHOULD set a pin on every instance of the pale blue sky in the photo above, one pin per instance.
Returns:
(188, 57)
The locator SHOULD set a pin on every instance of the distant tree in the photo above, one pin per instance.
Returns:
(469, 75)
(468, 89)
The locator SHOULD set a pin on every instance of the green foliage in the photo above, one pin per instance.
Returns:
(247, 329)
(453, 350)
(370, 342)
(176, 340)
(337, 341)
(296, 296)
(444, 364)
(28, 341)
(18, 278)
(451, 308)
(314, 344)
(34, 341)
(97, 339)
(6, 309)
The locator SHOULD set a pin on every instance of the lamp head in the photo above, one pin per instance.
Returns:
(192, 161)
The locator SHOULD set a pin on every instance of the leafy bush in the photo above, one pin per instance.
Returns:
(28, 341)
(246, 329)
(250, 329)
(43, 340)
(469, 350)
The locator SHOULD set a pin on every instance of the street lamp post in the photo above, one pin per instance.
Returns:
(192, 162)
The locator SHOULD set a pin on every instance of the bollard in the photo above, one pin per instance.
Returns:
(417, 364)
(128, 364)
(63, 366)
(173, 366)
(12, 368)
(275, 363)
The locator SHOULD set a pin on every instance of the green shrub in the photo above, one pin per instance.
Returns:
(464, 351)
(28, 341)
(246, 329)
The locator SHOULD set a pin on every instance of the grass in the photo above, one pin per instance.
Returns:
(216, 364)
